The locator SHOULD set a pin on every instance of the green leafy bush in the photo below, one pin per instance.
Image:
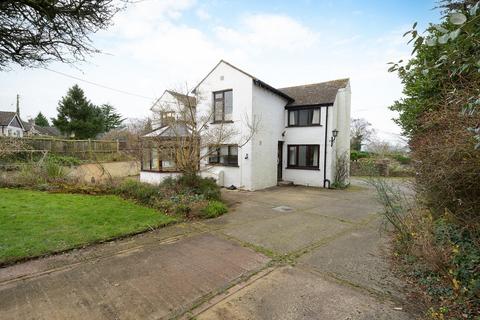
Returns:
(355, 155)
(214, 209)
(192, 184)
(63, 160)
(182, 209)
(402, 159)
(184, 196)
(144, 193)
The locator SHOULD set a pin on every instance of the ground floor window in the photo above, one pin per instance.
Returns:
(224, 155)
(303, 156)
(157, 159)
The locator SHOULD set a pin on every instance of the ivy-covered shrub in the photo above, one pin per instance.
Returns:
(439, 112)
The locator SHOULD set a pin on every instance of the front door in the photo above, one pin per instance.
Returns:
(279, 160)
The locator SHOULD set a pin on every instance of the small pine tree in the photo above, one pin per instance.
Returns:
(41, 120)
(79, 117)
(112, 119)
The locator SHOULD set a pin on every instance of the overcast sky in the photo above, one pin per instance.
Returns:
(160, 44)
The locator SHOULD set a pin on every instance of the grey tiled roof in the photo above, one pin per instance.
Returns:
(6, 117)
(316, 93)
(182, 97)
(48, 131)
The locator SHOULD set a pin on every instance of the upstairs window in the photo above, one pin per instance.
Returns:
(226, 155)
(167, 117)
(222, 106)
(303, 156)
(304, 117)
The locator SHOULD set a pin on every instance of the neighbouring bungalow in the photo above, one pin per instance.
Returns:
(11, 125)
(303, 130)
(31, 129)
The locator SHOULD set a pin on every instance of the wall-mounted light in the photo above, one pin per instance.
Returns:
(334, 137)
(246, 156)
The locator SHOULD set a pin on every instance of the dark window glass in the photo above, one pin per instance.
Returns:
(303, 156)
(222, 106)
(225, 155)
(304, 117)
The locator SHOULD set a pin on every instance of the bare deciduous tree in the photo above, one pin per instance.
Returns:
(190, 137)
(360, 133)
(33, 32)
(342, 171)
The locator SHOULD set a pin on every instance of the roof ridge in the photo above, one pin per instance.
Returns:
(254, 79)
(315, 83)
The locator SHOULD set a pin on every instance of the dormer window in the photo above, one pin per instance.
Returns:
(222, 106)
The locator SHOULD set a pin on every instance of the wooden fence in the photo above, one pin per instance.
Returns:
(82, 149)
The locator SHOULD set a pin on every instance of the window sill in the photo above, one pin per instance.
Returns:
(303, 168)
(309, 125)
(223, 165)
(162, 171)
(220, 122)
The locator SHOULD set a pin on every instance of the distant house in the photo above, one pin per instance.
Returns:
(10, 124)
(303, 131)
(168, 106)
(31, 129)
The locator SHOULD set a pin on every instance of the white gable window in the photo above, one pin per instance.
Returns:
(222, 106)
(304, 117)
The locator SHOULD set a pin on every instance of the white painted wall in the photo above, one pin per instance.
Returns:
(306, 135)
(10, 131)
(268, 110)
(224, 77)
(342, 118)
(156, 177)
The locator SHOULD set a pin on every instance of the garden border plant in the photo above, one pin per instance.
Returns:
(440, 115)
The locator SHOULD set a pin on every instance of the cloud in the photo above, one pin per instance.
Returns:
(147, 17)
(155, 45)
(268, 31)
(202, 14)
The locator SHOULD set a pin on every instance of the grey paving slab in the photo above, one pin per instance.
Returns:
(143, 283)
(291, 293)
(360, 258)
(288, 232)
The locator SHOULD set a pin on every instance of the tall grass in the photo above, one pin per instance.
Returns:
(397, 204)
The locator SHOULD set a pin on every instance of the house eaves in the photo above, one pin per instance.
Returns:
(255, 80)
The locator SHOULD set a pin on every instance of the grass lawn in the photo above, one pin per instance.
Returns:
(33, 223)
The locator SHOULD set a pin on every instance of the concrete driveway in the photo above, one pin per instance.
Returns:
(282, 253)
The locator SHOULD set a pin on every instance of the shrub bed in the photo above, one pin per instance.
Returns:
(189, 197)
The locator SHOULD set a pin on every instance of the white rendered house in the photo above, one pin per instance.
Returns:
(299, 133)
(11, 125)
